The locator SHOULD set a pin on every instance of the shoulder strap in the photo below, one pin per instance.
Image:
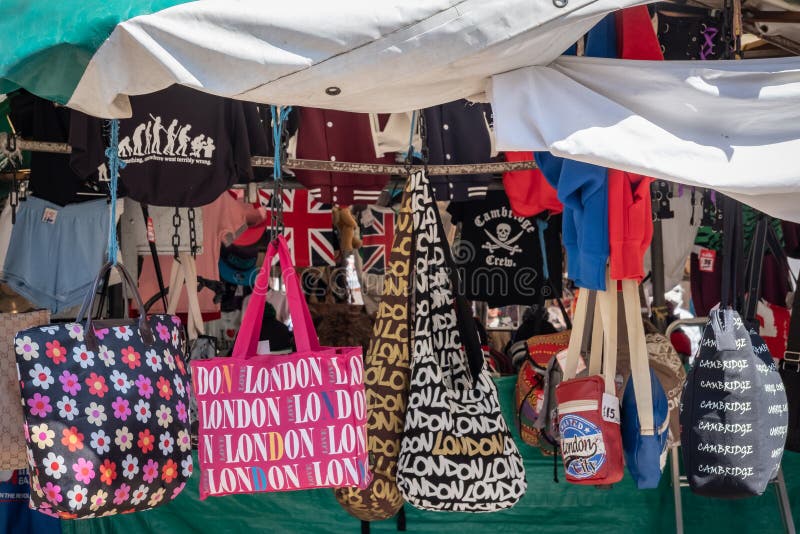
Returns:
(640, 364)
(792, 354)
(154, 254)
(755, 263)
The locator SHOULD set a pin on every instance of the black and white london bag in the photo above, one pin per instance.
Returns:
(456, 453)
(733, 412)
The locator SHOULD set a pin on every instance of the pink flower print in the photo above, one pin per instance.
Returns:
(53, 493)
(40, 405)
(150, 471)
(163, 332)
(145, 386)
(101, 333)
(122, 494)
(122, 408)
(84, 471)
(69, 382)
(181, 410)
(176, 320)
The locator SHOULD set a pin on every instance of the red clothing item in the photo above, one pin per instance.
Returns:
(528, 191)
(636, 37)
(326, 134)
(630, 216)
(630, 223)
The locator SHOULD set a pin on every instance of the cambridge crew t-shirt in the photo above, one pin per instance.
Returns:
(500, 256)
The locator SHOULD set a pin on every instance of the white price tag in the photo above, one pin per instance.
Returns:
(610, 408)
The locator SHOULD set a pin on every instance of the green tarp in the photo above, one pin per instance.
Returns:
(46, 45)
(546, 507)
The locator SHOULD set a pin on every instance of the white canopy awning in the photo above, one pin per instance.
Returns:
(732, 126)
(382, 55)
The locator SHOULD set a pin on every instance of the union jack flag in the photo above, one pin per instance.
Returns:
(377, 236)
(309, 227)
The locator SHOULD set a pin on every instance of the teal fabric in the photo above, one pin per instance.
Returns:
(47, 45)
(547, 507)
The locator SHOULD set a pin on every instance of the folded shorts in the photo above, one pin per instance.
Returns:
(55, 252)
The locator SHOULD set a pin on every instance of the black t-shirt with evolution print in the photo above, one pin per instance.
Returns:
(181, 147)
(500, 255)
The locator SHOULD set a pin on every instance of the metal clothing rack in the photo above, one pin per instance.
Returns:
(11, 142)
(680, 481)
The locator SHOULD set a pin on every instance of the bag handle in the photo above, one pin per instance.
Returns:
(607, 303)
(595, 351)
(578, 338)
(640, 364)
(89, 301)
(154, 254)
(305, 335)
(184, 272)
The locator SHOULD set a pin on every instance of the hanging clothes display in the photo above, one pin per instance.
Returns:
(51, 177)
(528, 191)
(181, 147)
(502, 255)
(325, 134)
(458, 133)
(220, 220)
(678, 236)
(54, 251)
(583, 189)
(687, 32)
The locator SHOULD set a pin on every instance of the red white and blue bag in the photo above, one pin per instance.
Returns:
(588, 408)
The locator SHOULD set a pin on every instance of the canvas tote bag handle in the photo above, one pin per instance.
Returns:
(184, 271)
(607, 304)
(640, 365)
(305, 335)
(585, 310)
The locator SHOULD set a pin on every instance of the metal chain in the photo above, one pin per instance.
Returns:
(192, 233)
(176, 237)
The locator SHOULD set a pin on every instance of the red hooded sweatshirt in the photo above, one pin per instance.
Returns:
(630, 218)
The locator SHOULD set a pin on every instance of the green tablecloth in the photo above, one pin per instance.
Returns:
(547, 507)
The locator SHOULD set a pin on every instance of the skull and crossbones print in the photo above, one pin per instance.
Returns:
(503, 239)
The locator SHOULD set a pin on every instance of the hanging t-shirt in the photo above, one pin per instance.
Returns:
(222, 217)
(325, 134)
(501, 256)
(51, 177)
(15, 515)
(459, 133)
(181, 147)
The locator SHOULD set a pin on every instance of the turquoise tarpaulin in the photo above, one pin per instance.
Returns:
(546, 507)
(46, 45)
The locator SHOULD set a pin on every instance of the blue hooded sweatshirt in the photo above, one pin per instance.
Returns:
(583, 189)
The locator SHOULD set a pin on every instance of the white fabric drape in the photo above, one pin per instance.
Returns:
(382, 55)
(733, 126)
